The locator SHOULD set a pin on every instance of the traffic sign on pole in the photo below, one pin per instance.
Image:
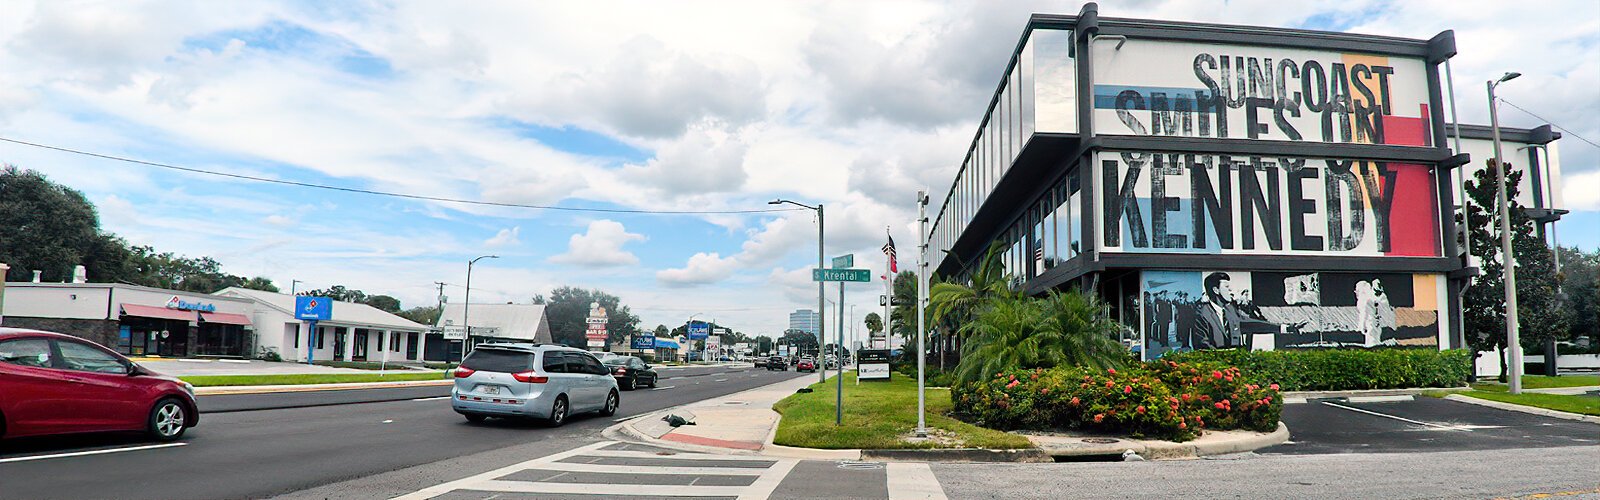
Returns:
(859, 275)
(844, 261)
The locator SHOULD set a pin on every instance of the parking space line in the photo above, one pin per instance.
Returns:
(913, 480)
(1378, 399)
(90, 452)
(1402, 419)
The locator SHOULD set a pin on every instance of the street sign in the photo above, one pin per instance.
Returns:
(859, 275)
(844, 261)
(313, 308)
(453, 332)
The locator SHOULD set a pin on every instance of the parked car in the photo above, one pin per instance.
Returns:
(631, 372)
(519, 380)
(59, 384)
(805, 365)
(777, 363)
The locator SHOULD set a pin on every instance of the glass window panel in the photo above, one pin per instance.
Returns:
(1055, 82)
(1025, 85)
(1074, 218)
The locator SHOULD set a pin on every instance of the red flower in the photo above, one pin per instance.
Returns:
(1216, 374)
(1274, 387)
(1218, 405)
(1140, 409)
(1012, 384)
(1182, 425)
(1127, 390)
(1074, 401)
(1230, 378)
(1099, 417)
(1112, 371)
(1044, 390)
(1185, 397)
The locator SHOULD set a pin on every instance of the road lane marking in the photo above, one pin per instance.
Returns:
(1377, 399)
(432, 399)
(91, 452)
(634, 469)
(913, 480)
(767, 483)
(662, 388)
(720, 380)
(607, 489)
(693, 456)
(1402, 419)
(470, 481)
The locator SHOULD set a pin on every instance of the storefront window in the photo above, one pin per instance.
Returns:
(1074, 218)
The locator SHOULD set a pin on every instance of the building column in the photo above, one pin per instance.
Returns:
(349, 343)
(383, 343)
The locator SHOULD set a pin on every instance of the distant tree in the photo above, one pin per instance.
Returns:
(384, 303)
(568, 310)
(49, 227)
(763, 344)
(1580, 272)
(874, 323)
(662, 331)
(427, 315)
(903, 314)
(260, 283)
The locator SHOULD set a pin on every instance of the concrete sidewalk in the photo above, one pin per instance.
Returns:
(182, 367)
(739, 423)
(1566, 391)
(263, 389)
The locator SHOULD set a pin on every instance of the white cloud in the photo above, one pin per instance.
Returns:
(278, 220)
(1578, 191)
(702, 268)
(506, 237)
(600, 246)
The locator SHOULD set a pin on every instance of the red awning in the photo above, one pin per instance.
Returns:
(157, 312)
(225, 318)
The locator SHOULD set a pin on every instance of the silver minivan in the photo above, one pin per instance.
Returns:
(517, 380)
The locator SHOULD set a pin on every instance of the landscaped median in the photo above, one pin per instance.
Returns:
(1567, 403)
(879, 415)
(311, 378)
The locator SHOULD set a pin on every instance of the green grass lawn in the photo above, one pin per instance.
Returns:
(1586, 405)
(1541, 382)
(876, 415)
(310, 378)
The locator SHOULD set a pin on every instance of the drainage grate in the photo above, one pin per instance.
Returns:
(852, 464)
(1099, 440)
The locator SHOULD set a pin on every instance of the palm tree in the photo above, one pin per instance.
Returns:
(952, 304)
(1061, 329)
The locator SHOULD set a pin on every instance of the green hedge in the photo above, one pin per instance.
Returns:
(1342, 369)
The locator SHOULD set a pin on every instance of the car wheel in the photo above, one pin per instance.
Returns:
(655, 381)
(166, 420)
(558, 412)
(629, 384)
(612, 402)
(475, 418)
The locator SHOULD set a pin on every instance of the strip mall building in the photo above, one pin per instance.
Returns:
(1231, 186)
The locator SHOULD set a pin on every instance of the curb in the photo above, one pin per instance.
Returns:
(268, 389)
(1167, 450)
(1414, 391)
(1524, 409)
(1032, 455)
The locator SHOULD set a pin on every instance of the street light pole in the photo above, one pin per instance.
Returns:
(922, 298)
(1509, 261)
(822, 329)
(466, 307)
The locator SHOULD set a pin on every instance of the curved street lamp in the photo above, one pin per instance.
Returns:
(1509, 261)
(822, 375)
(466, 307)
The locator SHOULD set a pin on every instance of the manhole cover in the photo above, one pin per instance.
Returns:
(851, 464)
(1099, 440)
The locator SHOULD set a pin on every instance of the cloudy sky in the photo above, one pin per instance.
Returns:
(649, 105)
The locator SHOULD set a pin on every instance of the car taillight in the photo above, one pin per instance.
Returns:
(530, 377)
(464, 372)
(622, 370)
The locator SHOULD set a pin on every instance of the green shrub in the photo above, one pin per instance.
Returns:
(935, 376)
(1342, 369)
(1060, 329)
(1161, 400)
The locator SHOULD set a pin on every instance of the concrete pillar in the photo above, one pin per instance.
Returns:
(349, 344)
(383, 343)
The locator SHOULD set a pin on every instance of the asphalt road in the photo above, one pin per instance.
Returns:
(237, 452)
(1421, 424)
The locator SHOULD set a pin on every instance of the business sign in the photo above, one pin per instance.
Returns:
(454, 332)
(1219, 204)
(699, 331)
(313, 308)
(596, 332)
(177, 302)
(860, 275)
(1166, 88)
(844, 261)
(642, 342)
(872, 364)
(714, 343)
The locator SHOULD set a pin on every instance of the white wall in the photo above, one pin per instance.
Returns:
(71, 302)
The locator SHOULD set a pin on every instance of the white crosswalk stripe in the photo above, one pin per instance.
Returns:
(582, 472)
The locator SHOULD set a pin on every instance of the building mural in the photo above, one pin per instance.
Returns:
(1186, 310)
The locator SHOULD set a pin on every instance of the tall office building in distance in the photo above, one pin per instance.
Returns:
(805, 320)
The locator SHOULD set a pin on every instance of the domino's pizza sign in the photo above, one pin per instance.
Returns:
(313, 308)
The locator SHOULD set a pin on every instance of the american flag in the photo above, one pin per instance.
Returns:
(888, 249)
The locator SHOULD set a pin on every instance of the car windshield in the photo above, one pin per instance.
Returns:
(498, 360)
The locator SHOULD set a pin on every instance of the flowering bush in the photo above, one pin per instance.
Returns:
(1163, 400)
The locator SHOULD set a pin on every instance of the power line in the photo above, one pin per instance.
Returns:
(1553, 124)
(393, 194)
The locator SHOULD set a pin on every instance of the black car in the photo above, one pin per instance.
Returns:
(777, 363)
(631, 372)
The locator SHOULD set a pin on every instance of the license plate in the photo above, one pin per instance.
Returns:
(488, 389)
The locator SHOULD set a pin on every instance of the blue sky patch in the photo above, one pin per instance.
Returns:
(576, 140)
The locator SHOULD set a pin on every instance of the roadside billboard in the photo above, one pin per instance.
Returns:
(1172, 88)
(1155, 202)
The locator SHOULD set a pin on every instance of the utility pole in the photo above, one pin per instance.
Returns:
(922, 299)
(822, 333)
(1513, 343)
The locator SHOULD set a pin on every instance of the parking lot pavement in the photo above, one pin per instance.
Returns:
(610, 469)
(1420, 424)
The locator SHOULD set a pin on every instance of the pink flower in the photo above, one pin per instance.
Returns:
(1044, 390)
(1099, 417)
(1274, 387)
(1182, 425)
(1012, 384)
(1128, 389)
(1112, 371)
(1140, 409)
(1216, 374)
(1218, 405)
(1074, 401)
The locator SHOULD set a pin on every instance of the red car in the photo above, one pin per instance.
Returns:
(59, 384)
(805, 365)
